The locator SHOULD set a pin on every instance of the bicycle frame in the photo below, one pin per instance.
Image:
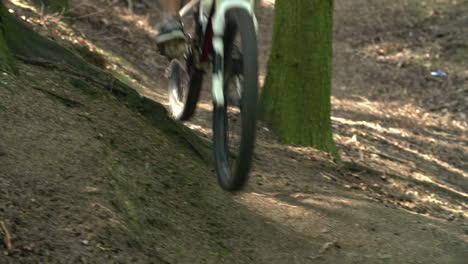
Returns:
(212, 14)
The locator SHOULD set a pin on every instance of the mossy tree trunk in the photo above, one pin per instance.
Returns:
(296, 95)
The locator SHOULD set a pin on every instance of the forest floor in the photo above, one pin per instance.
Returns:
(85, 179)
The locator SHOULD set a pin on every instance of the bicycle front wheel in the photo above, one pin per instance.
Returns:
(234, 124)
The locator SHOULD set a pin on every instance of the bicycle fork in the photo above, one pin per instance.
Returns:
(219, 26)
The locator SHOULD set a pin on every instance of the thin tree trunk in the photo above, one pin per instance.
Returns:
(296, 95)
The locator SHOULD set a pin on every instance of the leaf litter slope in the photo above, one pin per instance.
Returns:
(145, 198)
(94, 182)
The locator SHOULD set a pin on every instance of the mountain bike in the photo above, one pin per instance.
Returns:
(222, 35)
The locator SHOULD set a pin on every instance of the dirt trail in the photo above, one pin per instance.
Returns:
(94, 182)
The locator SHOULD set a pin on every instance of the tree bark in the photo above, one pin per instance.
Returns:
(297, 90)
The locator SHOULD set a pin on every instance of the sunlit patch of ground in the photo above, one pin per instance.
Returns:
(382, 145)
(392, 114)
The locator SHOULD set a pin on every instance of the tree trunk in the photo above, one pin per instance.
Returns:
(296, 95)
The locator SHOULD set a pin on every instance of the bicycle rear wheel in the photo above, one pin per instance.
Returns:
(185, 76)
(234, 125)
(184, 88)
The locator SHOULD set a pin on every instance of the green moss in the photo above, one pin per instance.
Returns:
(7, 61)
(59, 97)
(92, 57)
(123, 78)
(84, 87)
(122, 186)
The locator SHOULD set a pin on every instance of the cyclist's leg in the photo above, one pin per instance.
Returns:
(171, 32)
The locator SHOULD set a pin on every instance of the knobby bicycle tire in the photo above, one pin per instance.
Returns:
(183, 106)
(232, 175)
(183, 98)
